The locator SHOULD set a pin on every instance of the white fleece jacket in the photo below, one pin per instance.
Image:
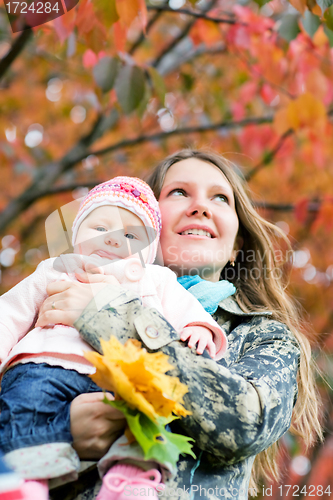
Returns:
(19, 307)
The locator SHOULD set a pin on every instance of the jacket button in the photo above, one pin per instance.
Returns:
(134, 271)
(152, 332)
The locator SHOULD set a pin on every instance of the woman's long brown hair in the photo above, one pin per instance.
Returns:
(261, 281)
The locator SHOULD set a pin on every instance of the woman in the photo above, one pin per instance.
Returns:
(243, 404)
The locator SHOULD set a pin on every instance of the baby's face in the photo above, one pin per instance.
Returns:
(112, 233)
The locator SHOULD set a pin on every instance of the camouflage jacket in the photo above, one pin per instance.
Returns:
(240, 405)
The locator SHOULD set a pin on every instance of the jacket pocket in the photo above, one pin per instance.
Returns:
(153, 329)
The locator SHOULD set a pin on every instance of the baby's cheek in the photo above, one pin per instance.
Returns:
(80, 248)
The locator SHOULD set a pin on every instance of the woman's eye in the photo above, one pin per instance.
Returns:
(100, 228)
(178, 192)
(222, 197)
(130, 236)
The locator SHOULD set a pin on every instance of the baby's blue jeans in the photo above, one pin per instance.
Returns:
(35, 404)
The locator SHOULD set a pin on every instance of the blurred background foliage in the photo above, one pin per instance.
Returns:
(113, 86)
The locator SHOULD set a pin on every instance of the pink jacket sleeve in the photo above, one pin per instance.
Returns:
(19, 308)
(182, 309)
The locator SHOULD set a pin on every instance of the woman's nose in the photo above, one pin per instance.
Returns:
(112, 240)
(199, 208)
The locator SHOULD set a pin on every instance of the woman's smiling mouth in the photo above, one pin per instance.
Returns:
(197, 231)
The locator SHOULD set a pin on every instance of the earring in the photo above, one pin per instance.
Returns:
(232, 262)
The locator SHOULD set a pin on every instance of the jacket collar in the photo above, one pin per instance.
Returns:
(230, 305)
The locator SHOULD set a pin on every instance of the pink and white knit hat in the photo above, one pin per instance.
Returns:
(130, 193)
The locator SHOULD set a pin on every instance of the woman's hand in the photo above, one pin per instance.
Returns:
(66, 301)
(94, 425)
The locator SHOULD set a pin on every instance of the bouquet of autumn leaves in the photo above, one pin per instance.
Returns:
(147, 397)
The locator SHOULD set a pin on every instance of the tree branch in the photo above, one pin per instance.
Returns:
(142, 36)
(313, 206)
(269, 156)
(190, 55)
(197, 15)
(69, 187)
(255, 72)
(181, 35)
(51, 172)
(16, 48)
(185, 130)
(48, 175)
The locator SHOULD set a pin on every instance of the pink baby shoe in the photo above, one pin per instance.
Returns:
(127, 482)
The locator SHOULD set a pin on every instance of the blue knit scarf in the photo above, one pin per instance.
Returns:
(208, 293)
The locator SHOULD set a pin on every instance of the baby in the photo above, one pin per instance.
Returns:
(44, 368)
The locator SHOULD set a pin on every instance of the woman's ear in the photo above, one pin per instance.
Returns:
(239, 243)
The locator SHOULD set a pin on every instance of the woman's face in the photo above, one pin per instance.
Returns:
(199, 220)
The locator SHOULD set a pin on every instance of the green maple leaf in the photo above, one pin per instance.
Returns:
(155, 440)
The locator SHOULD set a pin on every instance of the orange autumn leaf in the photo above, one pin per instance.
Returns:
(307, 111)
(320, 39)
(300, 5)
(316, 83)
(206, 31)
(304, 112)
(301, 210)
(68, 20)
(280, 122)
(316, 10)
(324, 218)
(95, 37)
(143, 15)
(120, 33)
(64, 25)
(127, 10)
(139, 378)
(85, 19)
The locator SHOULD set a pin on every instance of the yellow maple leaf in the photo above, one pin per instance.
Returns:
(306, 111)
(139, 378)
